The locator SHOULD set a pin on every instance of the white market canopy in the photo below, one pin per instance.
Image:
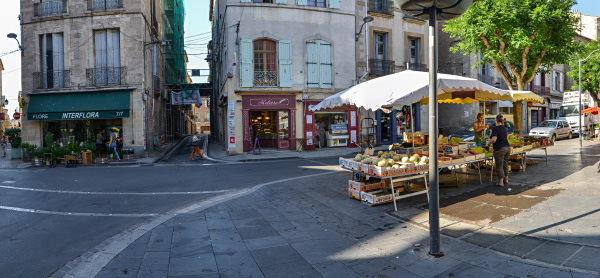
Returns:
(403, 88)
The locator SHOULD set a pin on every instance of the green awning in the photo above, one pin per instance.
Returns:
(79, 106)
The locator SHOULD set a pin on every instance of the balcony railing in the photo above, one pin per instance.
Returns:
(52, 79)
(105, 77)
(417, 67)
(381, 67)
(540, 90)
(102, 5)
(265, 78)
(47, 8)
(381, 7)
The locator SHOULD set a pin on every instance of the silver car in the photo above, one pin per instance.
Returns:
(554, 129)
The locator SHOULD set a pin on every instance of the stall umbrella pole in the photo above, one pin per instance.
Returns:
(412, 126)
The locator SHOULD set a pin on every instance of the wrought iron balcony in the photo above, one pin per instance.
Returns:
(381, 7)
(106, 77)
(52, 79)
(48, 8)
(417, 67)
(103, 5)
(540, 90)
(265, 78)
(381, 67)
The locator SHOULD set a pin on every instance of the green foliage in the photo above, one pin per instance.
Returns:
(28, 147)
(590, 69)
(45, 150)
(14, 136)
(49, 139)
(527, 36)
(36, 154)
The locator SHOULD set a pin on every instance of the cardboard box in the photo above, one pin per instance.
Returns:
(366, 186)
(444, 160)
(354, 193)
(378, 196)
(378, 171)
(344, 163)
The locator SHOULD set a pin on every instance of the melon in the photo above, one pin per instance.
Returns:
(382, 163)
(405, 159)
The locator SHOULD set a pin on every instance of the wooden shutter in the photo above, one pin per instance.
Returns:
(554, 81)
(334, 4)
(312, 50)
(562, 82)
(324, 64)
(246, 70)
(285, 62)
(301, 2)
(281, 1)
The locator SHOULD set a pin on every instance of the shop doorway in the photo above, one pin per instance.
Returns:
(333, 128)
(271, 128)
(384, 128)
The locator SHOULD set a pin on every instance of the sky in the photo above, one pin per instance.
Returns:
(197, 34)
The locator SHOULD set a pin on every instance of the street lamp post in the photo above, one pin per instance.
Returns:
(433, 11)
(580, 106)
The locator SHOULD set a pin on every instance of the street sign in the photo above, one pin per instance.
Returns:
(22, 102)
(16, 115)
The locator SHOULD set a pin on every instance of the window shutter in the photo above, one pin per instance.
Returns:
(562, 82)
(312, 49)
(334, 4)
(324, 64)
(553, 81)
(246, 70)
(301, 2)
(285, 62)
(281, 1)
(245, 1)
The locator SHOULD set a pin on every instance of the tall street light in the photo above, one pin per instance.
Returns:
(434, 10)
(14, 36)
(580, 107)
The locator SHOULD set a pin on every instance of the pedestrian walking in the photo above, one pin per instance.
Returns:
(3, 143)
(318, 142)
(501, 150)
(195, 146)
(112, 145)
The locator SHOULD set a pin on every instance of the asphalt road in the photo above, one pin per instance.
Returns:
(51, 216)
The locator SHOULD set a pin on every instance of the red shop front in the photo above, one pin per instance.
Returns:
(269, 121)
(337, 127)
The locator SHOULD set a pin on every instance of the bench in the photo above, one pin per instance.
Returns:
(70, 160)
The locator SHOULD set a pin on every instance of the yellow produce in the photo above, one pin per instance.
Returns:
(405, 159)
(382, 163)
(380, 153)
(390, 161)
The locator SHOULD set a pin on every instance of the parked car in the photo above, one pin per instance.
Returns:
(468, 134)
(554, 129)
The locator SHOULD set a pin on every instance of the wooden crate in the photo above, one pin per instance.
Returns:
(87, 158)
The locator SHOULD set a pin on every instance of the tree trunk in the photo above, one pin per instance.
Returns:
(518, 111)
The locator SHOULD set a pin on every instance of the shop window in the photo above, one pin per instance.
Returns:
(284, 125)
(319, 64)
(264, 125)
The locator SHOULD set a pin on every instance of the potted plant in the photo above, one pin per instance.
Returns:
(27, 151)
(14, 138)
(36, 158)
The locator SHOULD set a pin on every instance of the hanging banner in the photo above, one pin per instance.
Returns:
(186, 97)
(231, 123)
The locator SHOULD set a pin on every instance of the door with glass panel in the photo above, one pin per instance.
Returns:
(283, 130)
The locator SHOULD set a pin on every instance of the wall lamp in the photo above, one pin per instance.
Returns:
(366, 20)
(14, 36)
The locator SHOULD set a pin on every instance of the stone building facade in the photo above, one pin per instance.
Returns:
(88, 66)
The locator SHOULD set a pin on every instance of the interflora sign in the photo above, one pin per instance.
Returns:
(77, 115)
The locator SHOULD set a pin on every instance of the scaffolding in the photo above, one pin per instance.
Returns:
(173, 18)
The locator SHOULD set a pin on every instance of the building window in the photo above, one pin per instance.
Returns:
(414, 54)
(99, 5)
(380, 65)
(265, 63)
(107, 71)
(316, 3)
(52, 56)
(262, 1)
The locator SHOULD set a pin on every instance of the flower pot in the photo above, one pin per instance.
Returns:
(26, 156)
(15, 153)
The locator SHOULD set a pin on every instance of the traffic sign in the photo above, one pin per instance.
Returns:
(16, 115)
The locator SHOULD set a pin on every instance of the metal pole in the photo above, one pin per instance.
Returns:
(434, 202)
(579, 112)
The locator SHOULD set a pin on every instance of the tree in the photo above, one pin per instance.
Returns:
(520, 38)
(590, 70)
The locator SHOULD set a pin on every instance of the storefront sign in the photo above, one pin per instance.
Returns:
(309, 135)
(309, 119)
(77, 115)
(231, 123)
(269, 101)
(22, 102)
(353, 119)
(186, 97)
(353, 136)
